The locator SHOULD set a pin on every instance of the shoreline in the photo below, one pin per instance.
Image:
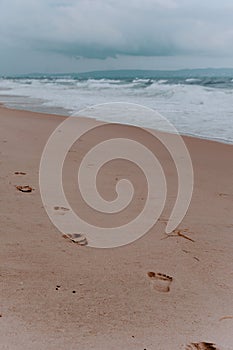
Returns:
(115, 305)
(58, 112)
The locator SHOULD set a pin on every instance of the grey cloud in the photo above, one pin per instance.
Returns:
(101, 29)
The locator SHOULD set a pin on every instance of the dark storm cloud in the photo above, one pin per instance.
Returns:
(101, 28)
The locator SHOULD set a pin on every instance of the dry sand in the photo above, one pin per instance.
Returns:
(116, 305)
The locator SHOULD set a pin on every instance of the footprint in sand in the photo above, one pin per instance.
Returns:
(201, 346)
(61, 210)
(77, 238)
(160, 281)
(26, 189)
(204, 346)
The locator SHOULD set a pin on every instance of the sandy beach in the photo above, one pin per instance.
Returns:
(55, 294)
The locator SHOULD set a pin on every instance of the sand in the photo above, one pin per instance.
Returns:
(55, 294)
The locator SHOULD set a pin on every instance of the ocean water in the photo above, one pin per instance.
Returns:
(198, 103)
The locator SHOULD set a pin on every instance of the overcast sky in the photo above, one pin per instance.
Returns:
(81, 35)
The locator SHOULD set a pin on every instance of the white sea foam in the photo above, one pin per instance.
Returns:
(193, 109)
(191, 80)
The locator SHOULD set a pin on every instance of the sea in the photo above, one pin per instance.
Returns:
(197, 102)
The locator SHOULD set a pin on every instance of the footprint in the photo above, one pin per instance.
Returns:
(61, 210)
(19, 173)
(201, 346)
(77, 238)
(26, 189)
(160, 281)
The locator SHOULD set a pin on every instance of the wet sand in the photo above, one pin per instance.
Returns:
(55, 294)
